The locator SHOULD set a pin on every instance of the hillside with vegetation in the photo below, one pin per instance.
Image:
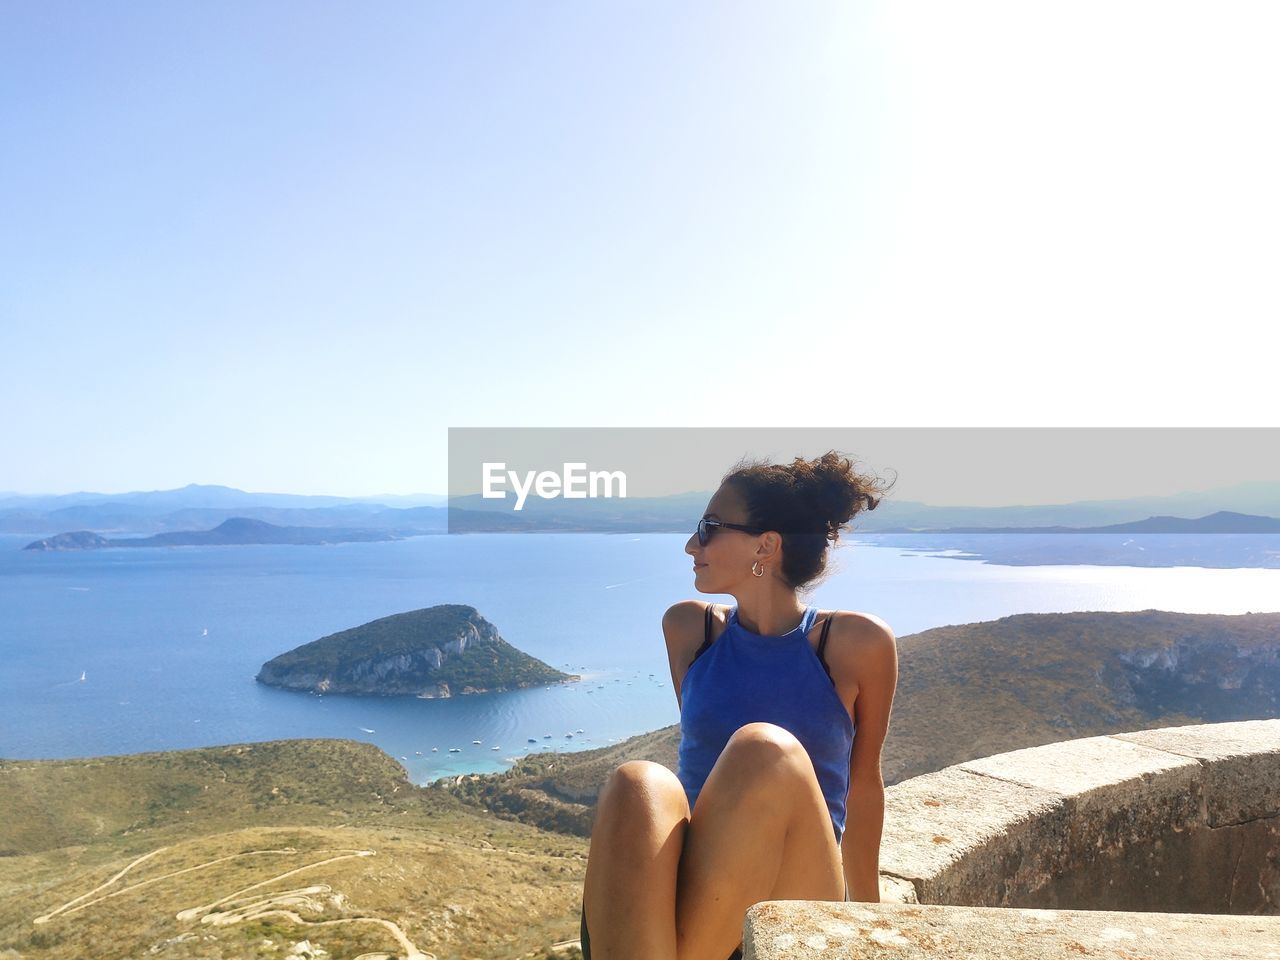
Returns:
(248, 849)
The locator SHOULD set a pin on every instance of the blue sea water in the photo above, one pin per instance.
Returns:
(134, 622)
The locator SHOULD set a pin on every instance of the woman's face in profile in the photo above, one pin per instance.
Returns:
(728, 555)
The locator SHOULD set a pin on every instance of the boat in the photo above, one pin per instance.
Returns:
(579, 730)
(546, 736)
(366, 730)
(206, 632)
(82, 676)
(417, 753)
(435, 749)
(455, 749)
(495, 748)
(404, 758)
(531, 740)
(568, 736)
(477, 741)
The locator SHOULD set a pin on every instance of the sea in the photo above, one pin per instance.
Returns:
(132, 650)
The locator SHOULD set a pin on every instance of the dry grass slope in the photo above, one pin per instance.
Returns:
(247, 849)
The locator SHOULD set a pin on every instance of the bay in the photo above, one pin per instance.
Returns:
(169, 639)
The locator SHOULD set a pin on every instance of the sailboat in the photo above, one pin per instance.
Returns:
(82, 676)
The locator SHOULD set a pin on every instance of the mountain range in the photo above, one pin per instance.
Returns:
(201, 507)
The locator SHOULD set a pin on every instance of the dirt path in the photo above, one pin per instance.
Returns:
(71, 905)
(251, 908)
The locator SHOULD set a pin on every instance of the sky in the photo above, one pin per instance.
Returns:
(285, 247)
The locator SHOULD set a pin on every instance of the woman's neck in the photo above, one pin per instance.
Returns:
(770, 616)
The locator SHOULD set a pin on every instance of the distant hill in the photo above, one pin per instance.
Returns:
(430, 653)
(977, 689)
(206, 505)
(1224, 551)
(204, 495)
(198, 506)
(1223, 521)
(236, 531)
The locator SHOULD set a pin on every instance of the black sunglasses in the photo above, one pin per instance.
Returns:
(705, 525)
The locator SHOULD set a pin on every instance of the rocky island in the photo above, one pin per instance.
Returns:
(431, 653)
(231, 532)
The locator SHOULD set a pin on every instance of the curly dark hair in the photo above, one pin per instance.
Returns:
(808, 502)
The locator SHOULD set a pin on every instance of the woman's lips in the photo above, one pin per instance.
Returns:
(698, 566)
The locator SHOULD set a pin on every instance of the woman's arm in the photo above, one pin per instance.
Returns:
(860, 845)
(877, 672)
(682, 625)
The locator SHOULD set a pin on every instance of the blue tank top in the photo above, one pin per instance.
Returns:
(744, 678)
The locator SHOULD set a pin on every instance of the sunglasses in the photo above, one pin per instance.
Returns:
(705, 527)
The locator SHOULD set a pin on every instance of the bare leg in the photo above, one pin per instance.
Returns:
(760, 830)
(636, 841)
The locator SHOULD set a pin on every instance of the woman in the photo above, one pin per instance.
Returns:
(783, 712)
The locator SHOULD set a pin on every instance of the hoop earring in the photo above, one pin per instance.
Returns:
(760, 565)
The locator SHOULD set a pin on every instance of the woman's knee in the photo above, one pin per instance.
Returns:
(760, 755)
(765, 742)
(643, 782)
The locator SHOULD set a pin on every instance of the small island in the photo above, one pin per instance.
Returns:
(431, 653)
(232, 532)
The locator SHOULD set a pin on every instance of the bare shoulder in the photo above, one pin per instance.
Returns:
(683, 625)
(871, 629)
(860, 640)
(859, 627)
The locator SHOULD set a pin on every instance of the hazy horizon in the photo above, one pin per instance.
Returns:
(444, 497)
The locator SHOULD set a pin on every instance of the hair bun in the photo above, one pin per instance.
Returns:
(808, 502)
(834, 491)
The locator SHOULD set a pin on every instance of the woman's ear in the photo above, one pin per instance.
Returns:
(772, 545)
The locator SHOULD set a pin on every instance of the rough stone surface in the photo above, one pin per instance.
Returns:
(936, 825)
(1173, 834)
(1182, 818)
(1244, 789)
(802, 930)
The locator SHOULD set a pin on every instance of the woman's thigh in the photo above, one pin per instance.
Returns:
(636, 842)
(760, 830)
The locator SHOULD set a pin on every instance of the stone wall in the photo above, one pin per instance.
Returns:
(1175, 821)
